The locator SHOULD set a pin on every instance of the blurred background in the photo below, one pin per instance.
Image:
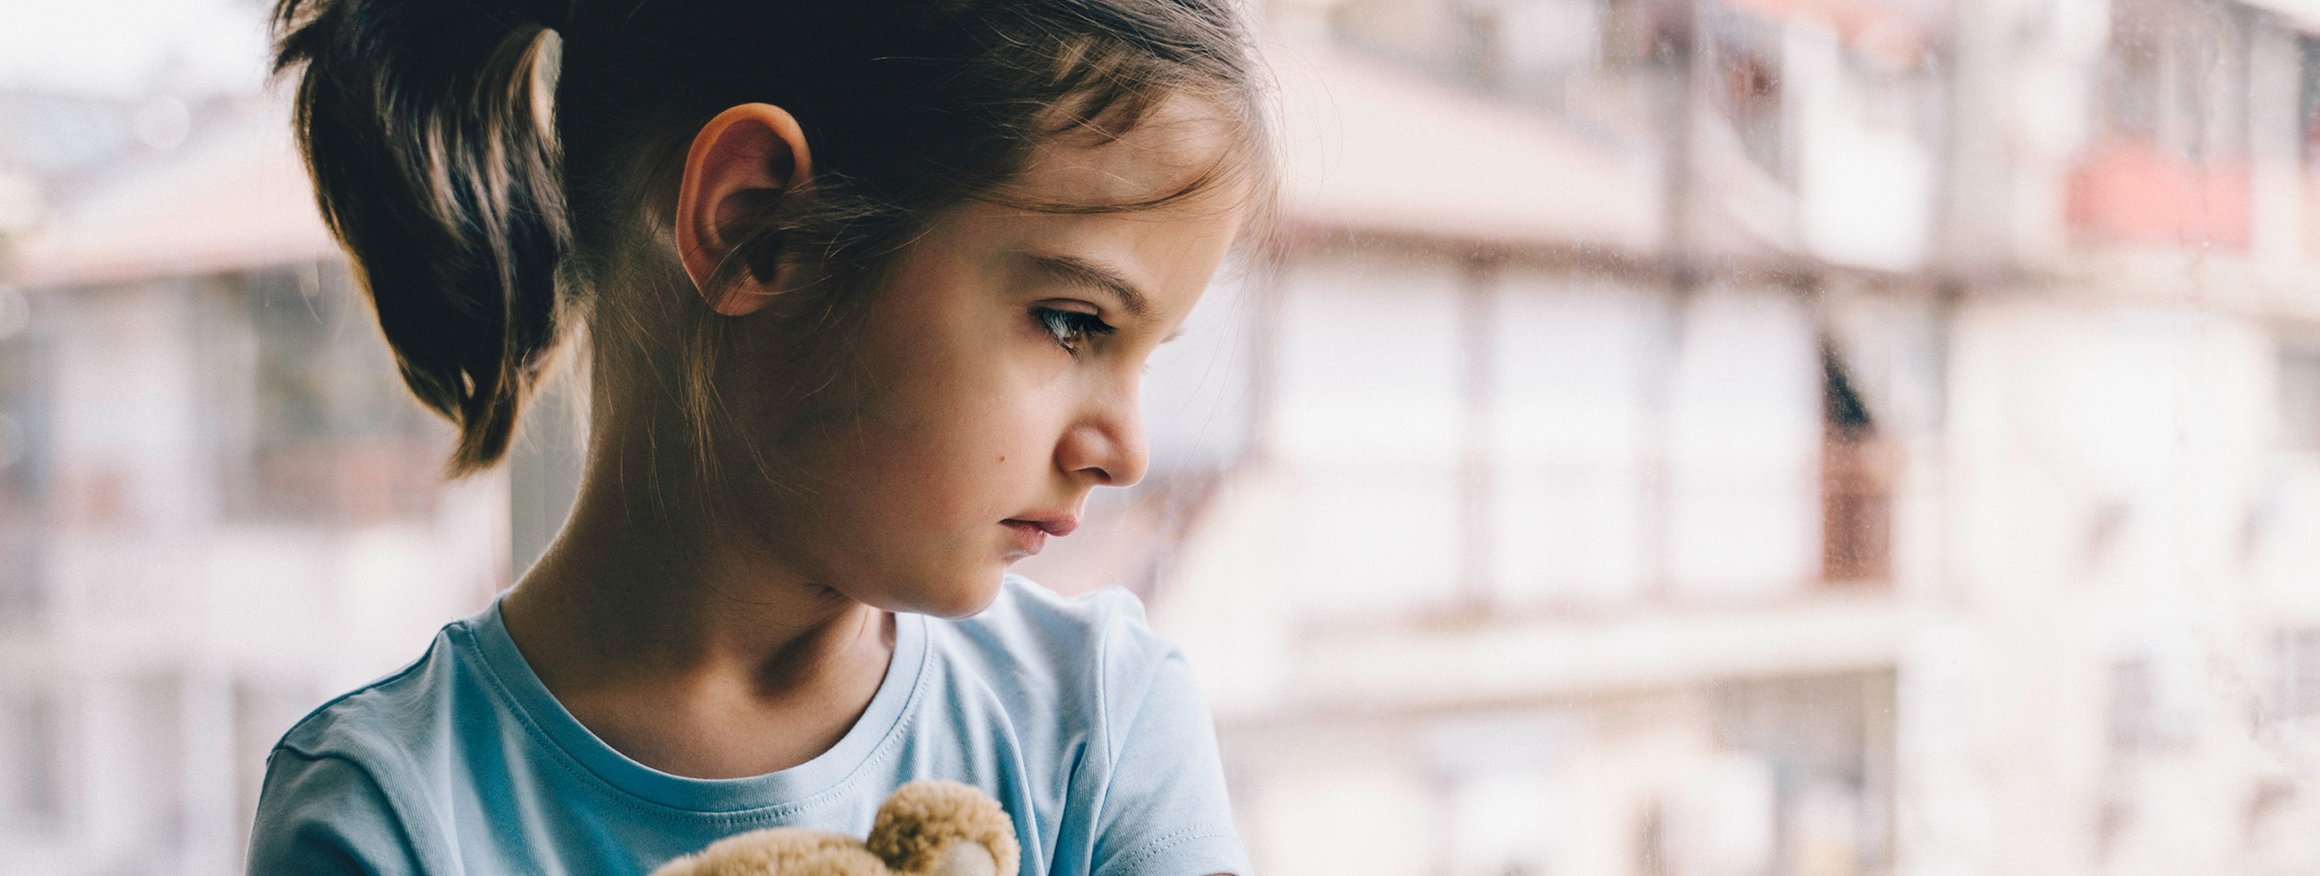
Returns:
(1673, 438)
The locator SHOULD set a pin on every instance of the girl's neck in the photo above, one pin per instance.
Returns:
(633, 596)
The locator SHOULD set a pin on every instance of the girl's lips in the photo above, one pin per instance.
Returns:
(1058, 525)
(1028, 536)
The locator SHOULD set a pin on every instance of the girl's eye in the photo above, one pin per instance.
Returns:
(1070, 327)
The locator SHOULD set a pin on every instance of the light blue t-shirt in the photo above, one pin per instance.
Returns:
(1085, 725)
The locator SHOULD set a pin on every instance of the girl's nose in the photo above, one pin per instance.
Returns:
(1108, 444)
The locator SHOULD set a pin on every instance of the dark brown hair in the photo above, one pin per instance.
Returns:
(467, 198)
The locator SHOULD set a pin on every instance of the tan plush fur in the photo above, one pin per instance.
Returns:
(927, 828)
(924, 818)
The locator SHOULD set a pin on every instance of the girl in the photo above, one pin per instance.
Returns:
(866, 288)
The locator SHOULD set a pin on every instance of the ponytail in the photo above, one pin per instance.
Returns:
(435, 165)
(481, 229)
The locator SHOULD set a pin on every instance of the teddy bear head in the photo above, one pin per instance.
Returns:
(927, 828)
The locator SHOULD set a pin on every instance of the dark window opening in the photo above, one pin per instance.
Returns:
(1856, 490)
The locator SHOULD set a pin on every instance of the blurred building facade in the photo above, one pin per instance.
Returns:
(218, 507)
(1776, 437)
(1671, 439)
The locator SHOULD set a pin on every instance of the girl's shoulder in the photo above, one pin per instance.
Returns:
(1029, 621)
(390, 718)
(372, 774)
(1022, 600)
(1037, 643)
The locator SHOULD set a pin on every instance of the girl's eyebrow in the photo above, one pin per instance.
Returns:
(1093, 275)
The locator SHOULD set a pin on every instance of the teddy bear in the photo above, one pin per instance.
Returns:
(929, 827)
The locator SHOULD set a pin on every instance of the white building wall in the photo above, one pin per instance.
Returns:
(1743, 440)
(181, 642)
(1573, 357)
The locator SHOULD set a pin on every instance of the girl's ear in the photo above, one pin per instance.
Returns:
(741, 164)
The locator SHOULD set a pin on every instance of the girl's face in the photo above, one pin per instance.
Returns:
(994, 378)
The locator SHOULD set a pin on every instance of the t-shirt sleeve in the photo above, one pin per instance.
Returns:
(325, 815)
(1164, 811)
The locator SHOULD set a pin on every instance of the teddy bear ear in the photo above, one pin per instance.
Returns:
(927, 820)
